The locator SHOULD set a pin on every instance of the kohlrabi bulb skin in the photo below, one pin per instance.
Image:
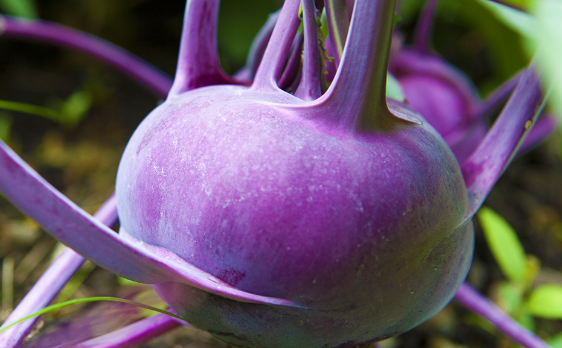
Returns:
(366, 230)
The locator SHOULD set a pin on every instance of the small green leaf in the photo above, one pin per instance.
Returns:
(509, 297)
(504, 244)
(86, 300)
(19, 8)
(393, 89)
(546, 301)
(74, 108)
(549, 27)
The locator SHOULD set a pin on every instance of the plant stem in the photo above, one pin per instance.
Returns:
(134, 334)
(309, 87)
(338, 25)
(198, 61)
(278, 48)
(471, 299)
(424, 27)
(115, 56)
(50, 284)
(494, 153)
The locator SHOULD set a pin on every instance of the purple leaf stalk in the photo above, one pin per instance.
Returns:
(447, 99)
(275, 219)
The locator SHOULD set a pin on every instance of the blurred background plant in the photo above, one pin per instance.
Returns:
(70, 116)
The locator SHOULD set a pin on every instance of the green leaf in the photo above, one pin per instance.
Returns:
(74, 108)
(85, 300)
(393, 89)
(549, 29)
(546, 301)
(523, 4)
(504, 244)
(19, 8)
(520, 21)
(509, 297)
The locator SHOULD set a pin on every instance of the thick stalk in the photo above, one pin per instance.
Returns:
(471, 299)
(290, 75)
(50, 284)
(424, 27)
(310, 84)
(113, 55)
(494, 153)
(338, 25)
(278, 48)
(198, 61)
(356, 99)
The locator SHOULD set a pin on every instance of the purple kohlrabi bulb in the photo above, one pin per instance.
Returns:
(354, 212)
(278, 220)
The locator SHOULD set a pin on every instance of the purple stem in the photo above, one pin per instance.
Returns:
(50, 283)
(471, 299)
(338, 26)
(545, 125)
(310, 87)
(424, 27)
(292, 69)
(492, 156)
(134, 334)
(362, 72)
(278, 48)
(495, 101)
(198, 61)
(59, 35)
(121, 254)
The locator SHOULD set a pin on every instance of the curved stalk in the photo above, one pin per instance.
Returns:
(471, 299)
(275, 54)
(290, 75)
(310, 85)
(134, 334)
(492, 156)
(424, 27)
(121, 254)
(51, 283)
(338, 26)
(356, 99)
(198, 61)
(113, 55)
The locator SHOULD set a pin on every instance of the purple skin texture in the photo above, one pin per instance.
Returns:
(355, 213)
(287, 221)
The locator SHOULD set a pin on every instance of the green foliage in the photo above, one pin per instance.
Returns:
(521, 22)
(5, 126)
(549, 29)
(504, 244)
(19, 8)
(545, 301)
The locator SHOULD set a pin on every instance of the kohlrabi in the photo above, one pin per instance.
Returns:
(276, 219)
